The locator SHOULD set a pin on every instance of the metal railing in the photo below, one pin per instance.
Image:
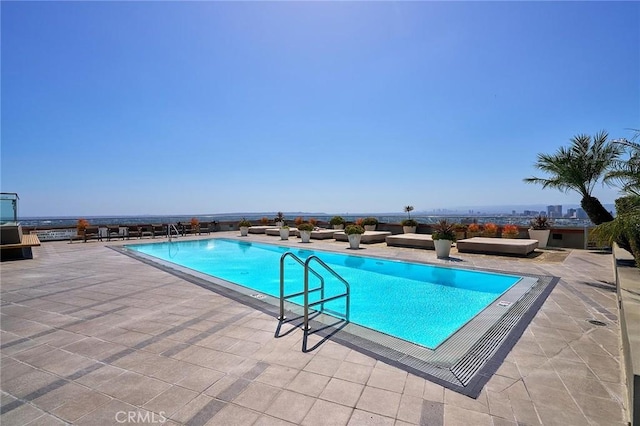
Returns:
(305, 292)
(170, 227)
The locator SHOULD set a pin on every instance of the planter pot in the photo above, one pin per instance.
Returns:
(542, 235)
(244, 231)
(409, 229)
(341, 226)
(443, 248)
(284, 233)
(354, 241)
(369, 227)
(305, 236)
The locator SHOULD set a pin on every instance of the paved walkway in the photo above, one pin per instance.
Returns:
(93, 337)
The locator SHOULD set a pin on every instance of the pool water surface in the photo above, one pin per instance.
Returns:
(419, 303)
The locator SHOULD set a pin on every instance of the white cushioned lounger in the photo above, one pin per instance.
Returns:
(509, 246)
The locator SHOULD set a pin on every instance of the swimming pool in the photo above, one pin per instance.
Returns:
(419, 303)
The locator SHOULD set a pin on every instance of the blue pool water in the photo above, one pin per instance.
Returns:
(419, 303)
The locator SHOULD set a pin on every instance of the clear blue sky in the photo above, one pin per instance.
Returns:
(115, 108)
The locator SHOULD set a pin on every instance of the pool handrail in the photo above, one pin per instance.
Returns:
(346, 294)
(282, 317)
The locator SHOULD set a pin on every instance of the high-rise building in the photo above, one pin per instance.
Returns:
(571, 213)
(581, 214)
(554, 211)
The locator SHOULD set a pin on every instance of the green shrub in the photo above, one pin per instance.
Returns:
(624, 229)
(370, 221)
(354, 229)
(409, 222)
(444, 230)
(336, 220)
(305, 227)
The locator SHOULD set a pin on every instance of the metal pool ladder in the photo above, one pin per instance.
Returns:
(306, 291)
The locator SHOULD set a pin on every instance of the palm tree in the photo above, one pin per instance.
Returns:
(578, 168)
(408, 210)
(626, 173)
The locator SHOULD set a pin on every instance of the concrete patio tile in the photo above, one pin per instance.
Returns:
(60, 396)
(171, 400)
(414, 386)
(108, 414)
(122, 336)
(356, 357)
(46, 420)
(342, 392)
(272, 421)
(29, 382)
(59, 338)
(277, 376)
(480, 405)
(12, 368)
(199, 378)
(558, 415)
(379, 401)
(360, 417)
(410, 409)
(328, 413)
(291, 358)
(600, 409)
(290, 406)
(21, 415)
(221, 386)
(323, 365)
(605, 367)
(354, 372)
(456, 416)
(191, 409)
(433, 392)
(133, 388)
(232, 415)
(257, 396)
(333, 350)
(308, 383)
(500, 406)
(170, 370)
(499, 421)
(76, 408)
(392, 380)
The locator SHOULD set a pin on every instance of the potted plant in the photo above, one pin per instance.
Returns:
(337, 222)
(244, 225)
(490, 230)
(305, 229)
(443, 235)
(370, 223)
(284, 231)
(354, 233)
(473, 230)
(510, 231)
(298, 220)
(279, 219)
(409, 225)
(540, 228)
(313, 221)
(461, 231)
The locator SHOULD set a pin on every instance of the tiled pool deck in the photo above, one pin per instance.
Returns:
(93, 337)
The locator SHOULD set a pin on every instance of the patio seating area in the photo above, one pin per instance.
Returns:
(88, 333)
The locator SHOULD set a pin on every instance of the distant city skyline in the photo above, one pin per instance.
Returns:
(137, 108)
